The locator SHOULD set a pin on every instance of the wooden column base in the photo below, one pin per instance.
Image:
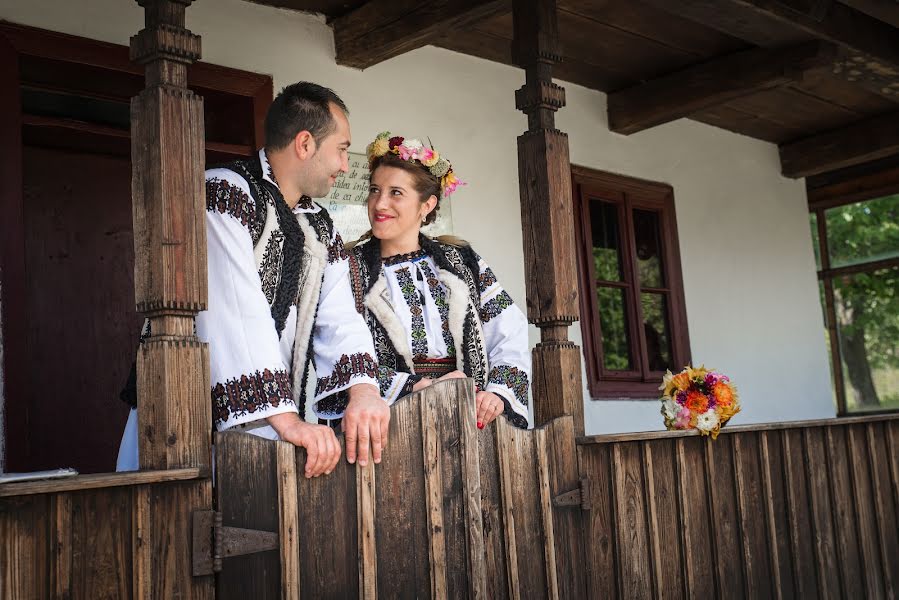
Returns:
(175, 432)
(557, 387)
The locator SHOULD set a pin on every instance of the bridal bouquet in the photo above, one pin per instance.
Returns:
(698, 398)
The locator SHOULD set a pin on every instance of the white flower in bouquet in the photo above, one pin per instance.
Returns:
(670, 409)
(707, 421)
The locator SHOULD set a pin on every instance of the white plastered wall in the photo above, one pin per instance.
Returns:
(749, 275)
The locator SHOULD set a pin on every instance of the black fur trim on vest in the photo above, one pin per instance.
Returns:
(251, 170)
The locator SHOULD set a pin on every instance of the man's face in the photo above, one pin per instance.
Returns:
(330, 158)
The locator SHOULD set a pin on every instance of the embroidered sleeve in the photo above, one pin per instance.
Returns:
(249, 380)
(508, 350)
(342, 345)
(227, 193)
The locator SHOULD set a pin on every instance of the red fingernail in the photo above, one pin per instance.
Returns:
(480, 425)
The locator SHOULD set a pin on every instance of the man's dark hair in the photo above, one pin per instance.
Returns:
(303, 106)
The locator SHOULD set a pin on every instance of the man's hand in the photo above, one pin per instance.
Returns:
(367, 418)
(490, 406)
(322, 448)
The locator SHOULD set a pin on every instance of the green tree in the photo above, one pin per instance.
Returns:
(866, 304)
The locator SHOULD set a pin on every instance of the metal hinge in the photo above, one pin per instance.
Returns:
(212, 542)
(580, 496)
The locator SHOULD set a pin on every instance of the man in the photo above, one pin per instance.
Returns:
(279, 293)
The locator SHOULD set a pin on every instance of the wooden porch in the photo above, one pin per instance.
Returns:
(807, 509)
(788, 510)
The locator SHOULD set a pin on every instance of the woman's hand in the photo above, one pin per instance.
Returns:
(422, 384)
(489, 406)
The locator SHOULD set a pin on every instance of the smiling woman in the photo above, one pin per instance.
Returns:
(434, 308)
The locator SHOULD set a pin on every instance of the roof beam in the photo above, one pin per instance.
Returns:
(870, 56)
(718, 81)
(382, 29)
(867, 140)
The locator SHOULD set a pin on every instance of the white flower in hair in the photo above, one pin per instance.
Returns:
(413, 145)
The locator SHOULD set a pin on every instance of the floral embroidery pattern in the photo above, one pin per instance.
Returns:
(513, 378)
(345, 369)
(336, 249)
(486, 279)
(495, 306)
(413, 301)
(401, 258)
(438, 293)
(250, 393)
(226, 198)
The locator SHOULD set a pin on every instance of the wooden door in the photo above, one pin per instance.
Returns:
(82, 326)
(451, 512)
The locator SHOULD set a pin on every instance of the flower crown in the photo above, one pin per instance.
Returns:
(413, 150)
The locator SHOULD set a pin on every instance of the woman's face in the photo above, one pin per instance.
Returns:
(395, 209)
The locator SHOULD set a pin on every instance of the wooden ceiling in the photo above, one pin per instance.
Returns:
(818, 77)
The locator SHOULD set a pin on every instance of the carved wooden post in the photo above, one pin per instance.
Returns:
(167, 153)
(547, 216)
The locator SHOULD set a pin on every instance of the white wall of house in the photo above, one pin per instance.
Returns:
(748, 267)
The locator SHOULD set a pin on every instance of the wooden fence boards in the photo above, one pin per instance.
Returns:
(800, 512)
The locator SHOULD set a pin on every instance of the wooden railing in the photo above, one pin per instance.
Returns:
(115, 535)
(791, 510)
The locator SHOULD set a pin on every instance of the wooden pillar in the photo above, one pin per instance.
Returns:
(167, 154)
(547, 216)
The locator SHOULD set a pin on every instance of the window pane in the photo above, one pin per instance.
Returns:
(649, 255)
(864, 231)
(867, 315)
(613, 323)
(816, 244)
(606, 240)
(657, 331)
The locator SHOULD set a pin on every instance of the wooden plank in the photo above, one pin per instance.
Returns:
(24, 552)
(567, 523)
(141, 546)
(861, 142)
(599, 528)
(635, 573)
(366, 515)
(665, 518)
(802, 531)
(289, 529)
(491, 511)
(684, 92)
(524, 542)
(697, 543)
(382, 29)
(247, 496)
(546, 507)
(466, 411)
(402, 512)
(725, 522)
(98, 481)
(733, 429)
(756, 558)
(817, 466)
(866, 512)
(775, 497)
(102, 563)
(845, 513)
(330, 568)
(171, 507)
(886, 508)
(61, 545)
(434, 499)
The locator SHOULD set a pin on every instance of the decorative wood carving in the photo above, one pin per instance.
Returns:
(170, 243)
(547, 215)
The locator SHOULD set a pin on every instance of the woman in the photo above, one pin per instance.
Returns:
(434, 307)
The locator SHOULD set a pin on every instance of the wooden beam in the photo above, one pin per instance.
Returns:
(382, 29)
(718, 81)
(870, 46)
(867, 140)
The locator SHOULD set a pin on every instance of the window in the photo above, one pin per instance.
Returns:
(632, 305)
(856, 242)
